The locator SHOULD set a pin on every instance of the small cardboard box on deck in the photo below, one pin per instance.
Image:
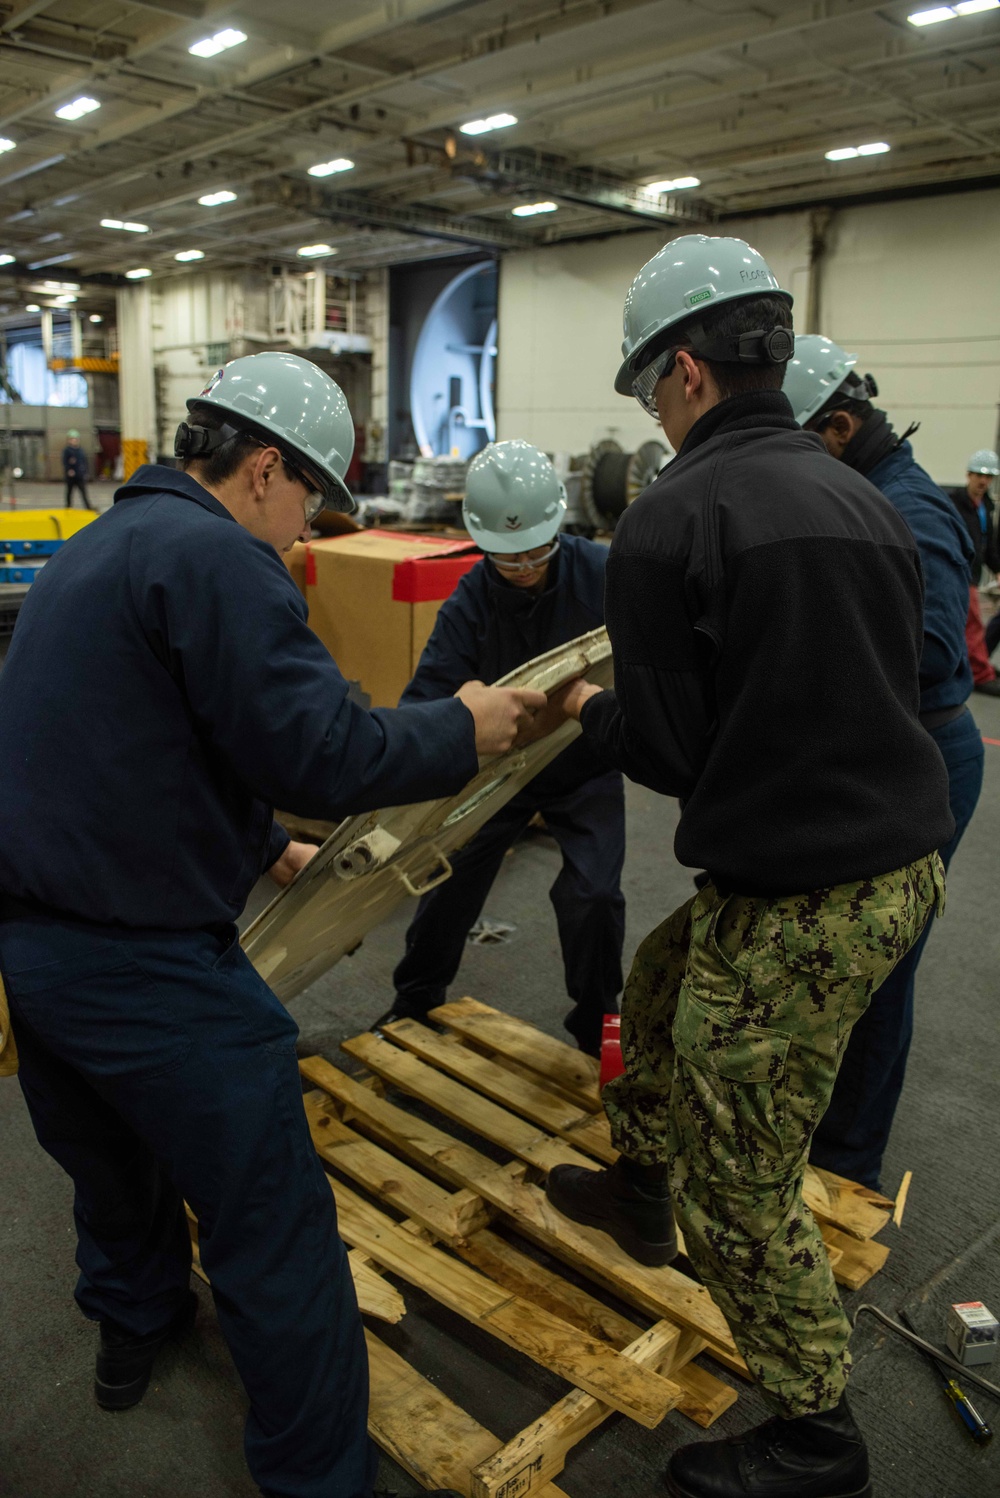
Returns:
(373, 598)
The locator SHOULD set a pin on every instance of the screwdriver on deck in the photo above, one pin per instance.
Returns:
(966, 1410)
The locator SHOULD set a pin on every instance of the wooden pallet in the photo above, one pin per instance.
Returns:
(536, 1099)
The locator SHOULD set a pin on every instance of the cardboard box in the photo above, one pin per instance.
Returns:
(373, 598)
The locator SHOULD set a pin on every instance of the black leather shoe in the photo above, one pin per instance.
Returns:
(988, 688)
(815, 1456)
(125, 1362)
(399, 1011)
(629, 1201)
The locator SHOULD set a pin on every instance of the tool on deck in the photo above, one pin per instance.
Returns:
(964, 1408)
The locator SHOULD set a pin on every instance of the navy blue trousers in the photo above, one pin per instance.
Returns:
(158, 1067)
(853, 1133)
(589, 826)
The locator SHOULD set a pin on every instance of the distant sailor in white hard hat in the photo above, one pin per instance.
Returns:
(535, 589)
(764, 608)
(162, 693)
(976, 506)
(829, 397)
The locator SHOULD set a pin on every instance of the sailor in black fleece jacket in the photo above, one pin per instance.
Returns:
(764, 607)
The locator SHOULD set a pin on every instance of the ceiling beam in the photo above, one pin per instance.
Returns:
(515, 171)
(367, 26)
(408, 218)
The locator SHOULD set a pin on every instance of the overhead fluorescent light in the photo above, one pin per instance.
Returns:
(678, 184)
(848, 153)
(64, 301)
(59, 286)
(211, 46)
(933, 16)
(190, 255)
(213, 199)
(341, 163)
(7, 259)
(491, 122)
(77, 108)
(528, 210)
(32, 307)
(6, 145)
(137, 275)
(117, 223)
(309, 251)
(973, 7)
(95, 317)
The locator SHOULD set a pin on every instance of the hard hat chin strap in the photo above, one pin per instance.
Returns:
(192, 441)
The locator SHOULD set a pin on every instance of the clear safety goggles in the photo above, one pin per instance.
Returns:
(644, 385)
(503, 563)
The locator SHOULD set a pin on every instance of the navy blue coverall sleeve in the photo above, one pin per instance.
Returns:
(944, 552)
(450, 657)
(268, 696)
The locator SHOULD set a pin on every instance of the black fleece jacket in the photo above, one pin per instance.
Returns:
(764, 607)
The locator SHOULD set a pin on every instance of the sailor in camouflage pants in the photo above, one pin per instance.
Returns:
(734, 1020)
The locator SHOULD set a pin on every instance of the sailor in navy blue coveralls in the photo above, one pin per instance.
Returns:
(162, 692)
(486, 628)
(852, 1136)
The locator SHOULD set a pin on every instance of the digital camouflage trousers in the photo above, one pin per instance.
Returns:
(734, 1020)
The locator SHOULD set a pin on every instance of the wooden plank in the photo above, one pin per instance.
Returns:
(462, 1104)
(659, 1292)
(444, 1213)
(539, 1452)
(570, 1070)
(376, 1297)
(525, 1276)
(531, 1100)
(583, 1361)
(423, 1430)
(705, 1396)
(384, 1176)
(859, 1259)
(844, 1204)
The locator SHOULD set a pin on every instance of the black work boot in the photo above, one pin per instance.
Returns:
(814, 1456)
(629, 1201)
(125, 1361)
(401, 1010)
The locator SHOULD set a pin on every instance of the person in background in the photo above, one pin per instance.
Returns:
(533, 590)
(976, 507)
(75, 469)
(830, 398)
(764, 611)
(168, 644)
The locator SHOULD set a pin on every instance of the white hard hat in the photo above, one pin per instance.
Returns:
(514, 500)
(290, 402)
(984, 461)
(690, 276)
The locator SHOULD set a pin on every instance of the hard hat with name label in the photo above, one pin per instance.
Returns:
(984, 461)
(690, 276)
(514, 499)
(290, 403)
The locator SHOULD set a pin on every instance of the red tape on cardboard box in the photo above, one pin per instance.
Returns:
(430, 579)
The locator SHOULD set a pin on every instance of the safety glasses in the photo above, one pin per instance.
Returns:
(644, 385)
(503, 563)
